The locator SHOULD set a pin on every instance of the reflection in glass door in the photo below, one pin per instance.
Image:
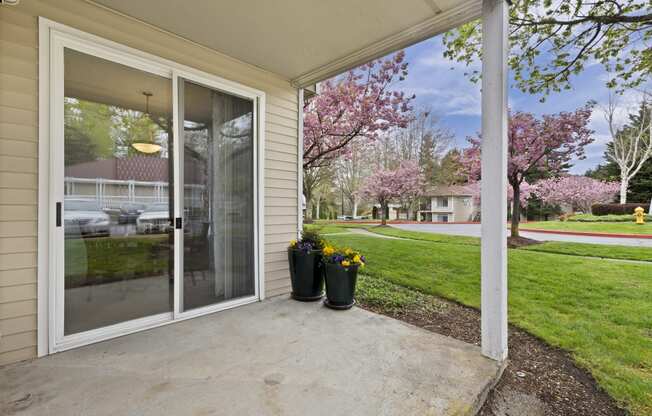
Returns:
(118, 245)
(218, 196)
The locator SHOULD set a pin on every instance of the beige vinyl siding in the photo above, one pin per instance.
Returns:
(19, 149)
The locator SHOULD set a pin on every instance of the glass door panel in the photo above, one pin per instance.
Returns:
(118, 262)
(218, 201)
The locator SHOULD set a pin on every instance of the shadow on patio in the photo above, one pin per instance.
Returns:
(277, 357)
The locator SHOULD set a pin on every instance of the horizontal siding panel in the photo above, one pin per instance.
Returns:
(280, 229)
(281, 138)
(17, 229)
(276, 211)
(18, 212)
(280, 238)
(281, 184)
(18, 100)
(287, 113)
(17, 355)
(17, 325)
(17, 277)
(17, 245)
(278, 292)
(281, 219)
(280, 165)
(282, 121)
(271, 173)
(18, 148)
(18, 164)
(277, 256)
(281, 147)
(275, 128)
(277, 266)
(18, 67)
(15, 309)
(282, 281)
(281, 156)
(18, 180)
(16, 293)
(18, 116)
(18, 84)
(278, 246)
(18, 51)
(17, 261)
(18, 132)
(17, 341)
(21, 34)
(18, 196)
(280, 202)
(280, 193)
(18, 18)
(290, 105)
(275, 276)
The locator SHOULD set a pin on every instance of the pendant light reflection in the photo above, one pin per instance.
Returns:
(147, 147)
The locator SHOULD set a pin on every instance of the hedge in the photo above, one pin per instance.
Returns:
(605, 218)
(618, 209)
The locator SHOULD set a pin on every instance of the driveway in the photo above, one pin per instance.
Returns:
(473, 230)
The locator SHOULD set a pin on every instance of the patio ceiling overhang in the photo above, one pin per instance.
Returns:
(304, 41)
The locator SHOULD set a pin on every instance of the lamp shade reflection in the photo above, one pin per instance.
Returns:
(147, 147)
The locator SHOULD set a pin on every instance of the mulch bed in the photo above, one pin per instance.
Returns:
(538, 380)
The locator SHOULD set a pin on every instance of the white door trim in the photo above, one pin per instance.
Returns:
(53, 37)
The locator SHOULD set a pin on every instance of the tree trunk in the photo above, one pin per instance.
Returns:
(624, 184)
(307, 193)
(318, 206)
(516, 210)
(354, 210)
(383, 214)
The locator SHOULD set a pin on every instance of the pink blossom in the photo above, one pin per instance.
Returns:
(385, 186)
(577, 191)
(536, 145)
(361, 104)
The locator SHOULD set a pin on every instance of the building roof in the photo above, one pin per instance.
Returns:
(451, 190)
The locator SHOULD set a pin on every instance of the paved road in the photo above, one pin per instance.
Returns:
(473, 230)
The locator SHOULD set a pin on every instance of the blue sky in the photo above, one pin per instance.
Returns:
(456, 100)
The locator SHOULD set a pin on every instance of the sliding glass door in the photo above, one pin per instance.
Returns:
(118, 240)
(218, 196)
(153, 194)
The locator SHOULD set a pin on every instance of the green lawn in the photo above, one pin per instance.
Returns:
(592, 227)
(594, 250)
(599, 310)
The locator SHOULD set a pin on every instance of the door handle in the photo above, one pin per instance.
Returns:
(178, 223)
(58, 210)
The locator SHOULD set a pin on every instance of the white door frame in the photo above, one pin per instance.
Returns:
(53, 37)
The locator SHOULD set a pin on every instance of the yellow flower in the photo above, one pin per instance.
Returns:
(356, 259)
(328, 251)
(346, 263)
(348, 251)
(293, 243)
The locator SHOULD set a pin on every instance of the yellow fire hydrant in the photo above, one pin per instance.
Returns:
(639, 214)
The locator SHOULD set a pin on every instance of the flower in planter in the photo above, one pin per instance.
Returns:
(310, 240)
(344, 257)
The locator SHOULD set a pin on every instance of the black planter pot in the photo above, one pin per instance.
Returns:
(340, 285)
(307, 275)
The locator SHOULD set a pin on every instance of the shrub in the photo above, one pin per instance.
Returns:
(618, 209)
(605, 218)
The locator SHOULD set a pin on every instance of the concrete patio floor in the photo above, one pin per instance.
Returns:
(277, 357)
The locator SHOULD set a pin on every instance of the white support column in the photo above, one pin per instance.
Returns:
(494, 179)
(300, 163)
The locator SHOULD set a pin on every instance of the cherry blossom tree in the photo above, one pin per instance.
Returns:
(577, 191)
(525, 192)
(359, 105)
(543, 145)
(385, 186)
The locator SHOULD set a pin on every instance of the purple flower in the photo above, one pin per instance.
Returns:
(337, 258)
